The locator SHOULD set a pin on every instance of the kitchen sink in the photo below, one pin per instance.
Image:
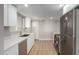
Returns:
(25, 35)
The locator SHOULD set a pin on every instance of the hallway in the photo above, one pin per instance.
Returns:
(43, 47)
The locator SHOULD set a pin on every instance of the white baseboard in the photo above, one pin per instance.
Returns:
(45, 39)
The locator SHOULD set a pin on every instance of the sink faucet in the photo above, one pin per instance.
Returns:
(20, 32)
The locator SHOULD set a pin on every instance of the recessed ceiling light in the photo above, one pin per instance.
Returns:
(61, 5)
(26, 5)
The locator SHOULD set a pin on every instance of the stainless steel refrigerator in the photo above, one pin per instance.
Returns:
(69, 32)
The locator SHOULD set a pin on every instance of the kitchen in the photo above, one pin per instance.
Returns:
(22, 26)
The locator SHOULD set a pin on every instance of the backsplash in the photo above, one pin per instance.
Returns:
(13, 32)
(10, 31)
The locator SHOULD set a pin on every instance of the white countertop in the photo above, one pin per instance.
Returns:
(13, 40)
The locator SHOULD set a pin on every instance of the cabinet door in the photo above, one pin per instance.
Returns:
(12, 50)
(30, 42)
(12, 15)
(5, 15)
(23, 48)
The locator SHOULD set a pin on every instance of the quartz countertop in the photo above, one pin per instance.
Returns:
(11, 41)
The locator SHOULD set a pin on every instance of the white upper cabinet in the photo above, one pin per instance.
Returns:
(28, 22)
(5, 15)
(10, 15)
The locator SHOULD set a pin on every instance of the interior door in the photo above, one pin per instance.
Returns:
(67, 34)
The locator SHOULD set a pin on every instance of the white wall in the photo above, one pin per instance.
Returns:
(45, 29)
(35, 29)
(48, 28)
(56, 27)
(68, 7)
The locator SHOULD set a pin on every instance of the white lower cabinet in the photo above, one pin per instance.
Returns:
(30, 42)
(22, 48)
(12, 50)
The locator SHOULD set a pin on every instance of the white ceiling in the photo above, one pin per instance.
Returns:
(41, 10)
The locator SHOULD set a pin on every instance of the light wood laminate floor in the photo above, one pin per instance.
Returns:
(43, 48)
